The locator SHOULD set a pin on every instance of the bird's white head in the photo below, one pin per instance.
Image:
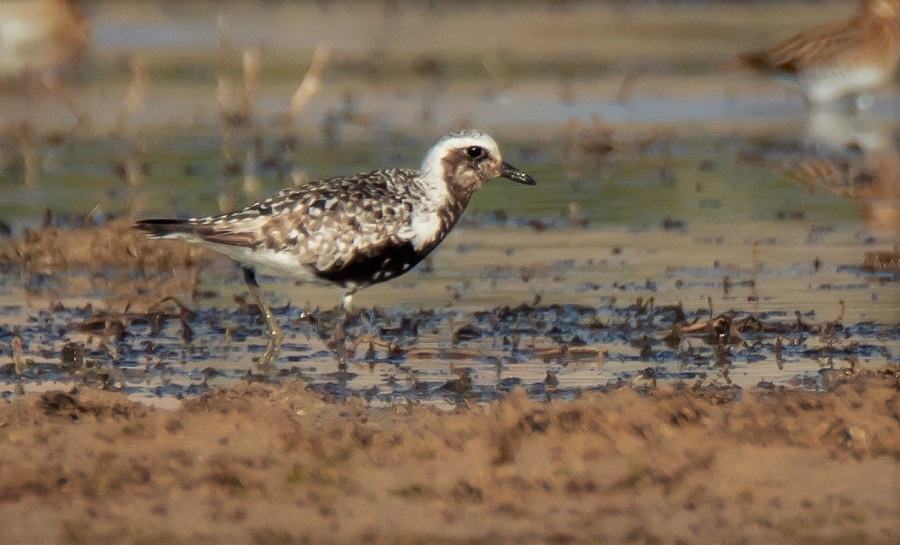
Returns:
(464, 161)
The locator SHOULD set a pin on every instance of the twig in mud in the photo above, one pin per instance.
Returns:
(311, 82)
(570, 149)
(187, 332)
(854, 365)
(455, 295)
(17, 352)
(564, 354)
(111, 322)
(233, 115)
(136, 94)
(628, 83)
(724, 366)
(648, 374)
(673, 339)
(251, 63)
(840, 317)
(575, 215)
(251, 184)
(597, 140)
(800, 325)
(779, 351)
(723, 326)
(639, 307)
(195, 285)
(882, 261)
(30, 157)
(828, 330)
(226, 119)
(550, 381)
(131, 170)
(156, 307)
(113, 330)
(393, 349)
(754, 296)
(460, 386)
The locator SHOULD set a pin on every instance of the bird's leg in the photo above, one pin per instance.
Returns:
(273, 330)
(340, 336)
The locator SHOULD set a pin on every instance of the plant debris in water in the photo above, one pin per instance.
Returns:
(159, 351)
(155, 345)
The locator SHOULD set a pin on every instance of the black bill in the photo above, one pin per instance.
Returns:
(512, 173)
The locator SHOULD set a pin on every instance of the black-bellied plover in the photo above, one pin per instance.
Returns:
(350, 232)
(838, 59)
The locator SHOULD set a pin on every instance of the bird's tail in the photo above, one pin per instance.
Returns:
(756, 60)
(162, 228)
(769, 62)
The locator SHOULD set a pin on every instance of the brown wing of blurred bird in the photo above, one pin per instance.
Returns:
(839, 58)
(873, 182)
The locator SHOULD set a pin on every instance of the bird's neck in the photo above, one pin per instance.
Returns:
(448, 213)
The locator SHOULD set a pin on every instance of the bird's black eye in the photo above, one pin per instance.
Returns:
(474, 152)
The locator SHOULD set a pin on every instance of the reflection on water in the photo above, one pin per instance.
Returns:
(854, 156)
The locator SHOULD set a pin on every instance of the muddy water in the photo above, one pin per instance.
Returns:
(700, 230)
(579, 284)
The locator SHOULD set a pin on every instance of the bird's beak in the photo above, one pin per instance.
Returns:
(512, 173)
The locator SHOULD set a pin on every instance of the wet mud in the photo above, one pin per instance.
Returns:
(262, 463)
(150, 320)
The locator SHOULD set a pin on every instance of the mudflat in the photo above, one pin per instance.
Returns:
(686, 333)
(259, 463)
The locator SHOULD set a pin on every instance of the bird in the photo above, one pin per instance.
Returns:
(349, 232)
(837, 59)
(872, 180)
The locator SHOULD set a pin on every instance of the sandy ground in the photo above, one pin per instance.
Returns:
(266, 464)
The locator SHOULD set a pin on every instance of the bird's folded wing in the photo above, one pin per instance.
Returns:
(817, 47)
(325, 224)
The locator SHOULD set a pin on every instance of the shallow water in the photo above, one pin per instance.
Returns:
(542, 301)
(674, 210)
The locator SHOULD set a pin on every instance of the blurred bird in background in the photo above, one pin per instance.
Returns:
(837, 59)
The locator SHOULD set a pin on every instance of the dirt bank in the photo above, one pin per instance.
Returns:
(280, 464)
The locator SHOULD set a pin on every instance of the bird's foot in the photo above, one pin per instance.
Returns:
(273, 347)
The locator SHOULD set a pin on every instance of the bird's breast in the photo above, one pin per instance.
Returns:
(374, 266)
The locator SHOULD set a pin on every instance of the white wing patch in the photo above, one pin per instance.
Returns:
(829, 84)
(284, 263)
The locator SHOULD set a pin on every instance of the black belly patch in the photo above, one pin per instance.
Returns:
(381, 266)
